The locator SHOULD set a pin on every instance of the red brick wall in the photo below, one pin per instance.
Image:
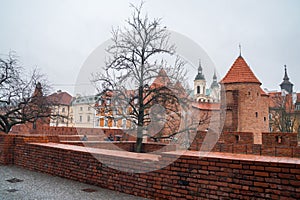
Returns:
(280, 139)
(55, 131)
(242, 101)
(216, 176)
(6, 148)
(9, 141)
(242, 143)
(126, 146)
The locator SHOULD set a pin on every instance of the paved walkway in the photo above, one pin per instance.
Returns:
(17, 183)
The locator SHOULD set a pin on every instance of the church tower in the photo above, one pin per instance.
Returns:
(286, 84)
(215, 89)
(200, 85)
(244, 105)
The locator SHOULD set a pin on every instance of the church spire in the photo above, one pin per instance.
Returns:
(200, 75)
(285, 78)
(215, 76)
(215, 82)
(286, 84)
(200, 67)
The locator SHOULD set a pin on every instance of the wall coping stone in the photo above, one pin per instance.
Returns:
(116, 153)
(240, 157)
(157, 157)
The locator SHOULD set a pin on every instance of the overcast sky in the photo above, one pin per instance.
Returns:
(58, 35)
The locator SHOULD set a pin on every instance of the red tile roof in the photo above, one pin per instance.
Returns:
(263, 93)
(278, 101)
(162, 79)
(60, 98)
(206, 106)
(240, 72)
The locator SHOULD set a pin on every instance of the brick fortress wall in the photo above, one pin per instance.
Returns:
(273, 144)
(247, 109)
(214, 176)
(67, 131)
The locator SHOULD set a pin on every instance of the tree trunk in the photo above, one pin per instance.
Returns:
(139, 144)
(139, 139)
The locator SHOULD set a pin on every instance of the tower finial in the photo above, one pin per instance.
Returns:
(200, 67)
(215, 76)
(200, 76)
(240, 47)
(285, 74)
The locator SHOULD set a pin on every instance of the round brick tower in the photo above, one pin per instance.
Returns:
(246, 107)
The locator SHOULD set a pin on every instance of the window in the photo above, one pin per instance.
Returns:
(63, 110)
(97, 122)
(80, 118)
(270, 116)
(88, 118)
(124, 123)
(108, 101)
(81, 108)
(105, 121)
(124, 110)
(89, 108)
(297, 107)
(198, 89)
(278, 139)
(237, 138)
(256, 114)
(265, 119)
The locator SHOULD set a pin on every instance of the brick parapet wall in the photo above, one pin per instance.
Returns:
(6, 148)
(66, 131)
(213, 176)
(8, 143)
(126, 146)
(280, 139)
(242, 143)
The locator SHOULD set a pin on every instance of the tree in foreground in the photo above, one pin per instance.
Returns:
(138, 78)
(282, 110)
(21, 95)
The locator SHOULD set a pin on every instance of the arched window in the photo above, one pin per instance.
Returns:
(198, 89)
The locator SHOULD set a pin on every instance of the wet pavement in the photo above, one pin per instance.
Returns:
(17, 183)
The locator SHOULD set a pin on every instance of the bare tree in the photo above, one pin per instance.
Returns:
(132, 67)
(283, 114)
(21, 96)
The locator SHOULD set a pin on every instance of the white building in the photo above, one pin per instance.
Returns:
(203, 94)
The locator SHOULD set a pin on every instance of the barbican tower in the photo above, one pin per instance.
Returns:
(244, 105)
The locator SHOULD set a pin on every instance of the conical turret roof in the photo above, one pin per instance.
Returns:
(240, 72)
